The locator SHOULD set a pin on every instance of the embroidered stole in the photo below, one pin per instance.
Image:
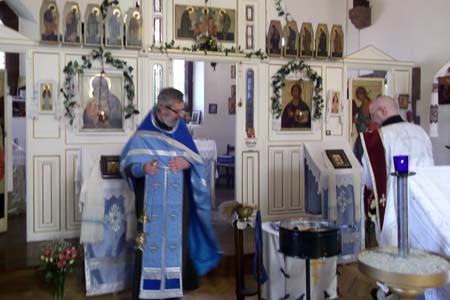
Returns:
(373, 147)
(161, 258)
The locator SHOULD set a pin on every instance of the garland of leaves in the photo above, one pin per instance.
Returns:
(105, 5)
(282, 12)
(208, 46)
(278, 82)
(73, 68)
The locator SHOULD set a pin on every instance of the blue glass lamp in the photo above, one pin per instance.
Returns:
(401, 164)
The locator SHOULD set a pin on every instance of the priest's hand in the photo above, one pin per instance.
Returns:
(151, 167)
(178, 164)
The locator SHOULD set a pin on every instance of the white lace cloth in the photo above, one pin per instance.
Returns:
(19, 156)
(207, 149)
(323, 271)
(87, 159)
(327, 177)
(93, 191)
(17, 201)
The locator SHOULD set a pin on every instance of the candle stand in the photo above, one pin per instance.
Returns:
(407, 272)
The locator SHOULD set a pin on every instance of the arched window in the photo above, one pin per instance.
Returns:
(157, 81)
(157, 22)
(249, 94)
(157, 7)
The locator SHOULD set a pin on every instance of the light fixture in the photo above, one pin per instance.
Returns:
(213, 65)
(102, 117)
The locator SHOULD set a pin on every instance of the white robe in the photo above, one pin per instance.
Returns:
(399, 139)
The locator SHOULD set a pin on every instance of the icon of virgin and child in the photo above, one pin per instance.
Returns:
(296, 112)
(103, 109)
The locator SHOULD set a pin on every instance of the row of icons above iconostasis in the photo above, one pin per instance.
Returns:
(95, 31)
(109, 31)
(292, 43)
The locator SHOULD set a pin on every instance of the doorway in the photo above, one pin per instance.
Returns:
(14, 249)
(13, 138)
(12, 162)
(210, 96)
(13, 134)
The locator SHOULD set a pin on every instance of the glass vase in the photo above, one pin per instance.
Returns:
(59, 287)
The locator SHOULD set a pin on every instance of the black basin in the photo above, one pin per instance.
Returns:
(309, 239)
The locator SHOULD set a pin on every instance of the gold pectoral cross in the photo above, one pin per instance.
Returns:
(316, 263)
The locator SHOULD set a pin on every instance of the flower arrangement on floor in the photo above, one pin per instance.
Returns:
(57, 258)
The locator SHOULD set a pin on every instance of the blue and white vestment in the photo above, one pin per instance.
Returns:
(162, 256)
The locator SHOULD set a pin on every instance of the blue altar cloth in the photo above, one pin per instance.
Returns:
(108, 263)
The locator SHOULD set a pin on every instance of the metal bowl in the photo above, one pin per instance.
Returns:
(244, 212)
(306, 238)
(406, 285)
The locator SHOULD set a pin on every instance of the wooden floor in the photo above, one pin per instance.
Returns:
(20, 278)
(27, 284)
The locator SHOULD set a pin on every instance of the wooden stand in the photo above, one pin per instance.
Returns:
(241, 290)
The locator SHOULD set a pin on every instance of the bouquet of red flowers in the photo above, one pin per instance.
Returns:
(57, 258)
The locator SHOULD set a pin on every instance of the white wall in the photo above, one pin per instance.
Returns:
(220, 126)
(178, 75)
(417, 31)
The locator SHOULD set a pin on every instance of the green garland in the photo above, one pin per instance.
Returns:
(208, 46)
(105, 5)
(278, 83)
(74, 68)
(281, 11)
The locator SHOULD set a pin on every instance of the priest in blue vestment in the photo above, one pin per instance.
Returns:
(162, 163)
